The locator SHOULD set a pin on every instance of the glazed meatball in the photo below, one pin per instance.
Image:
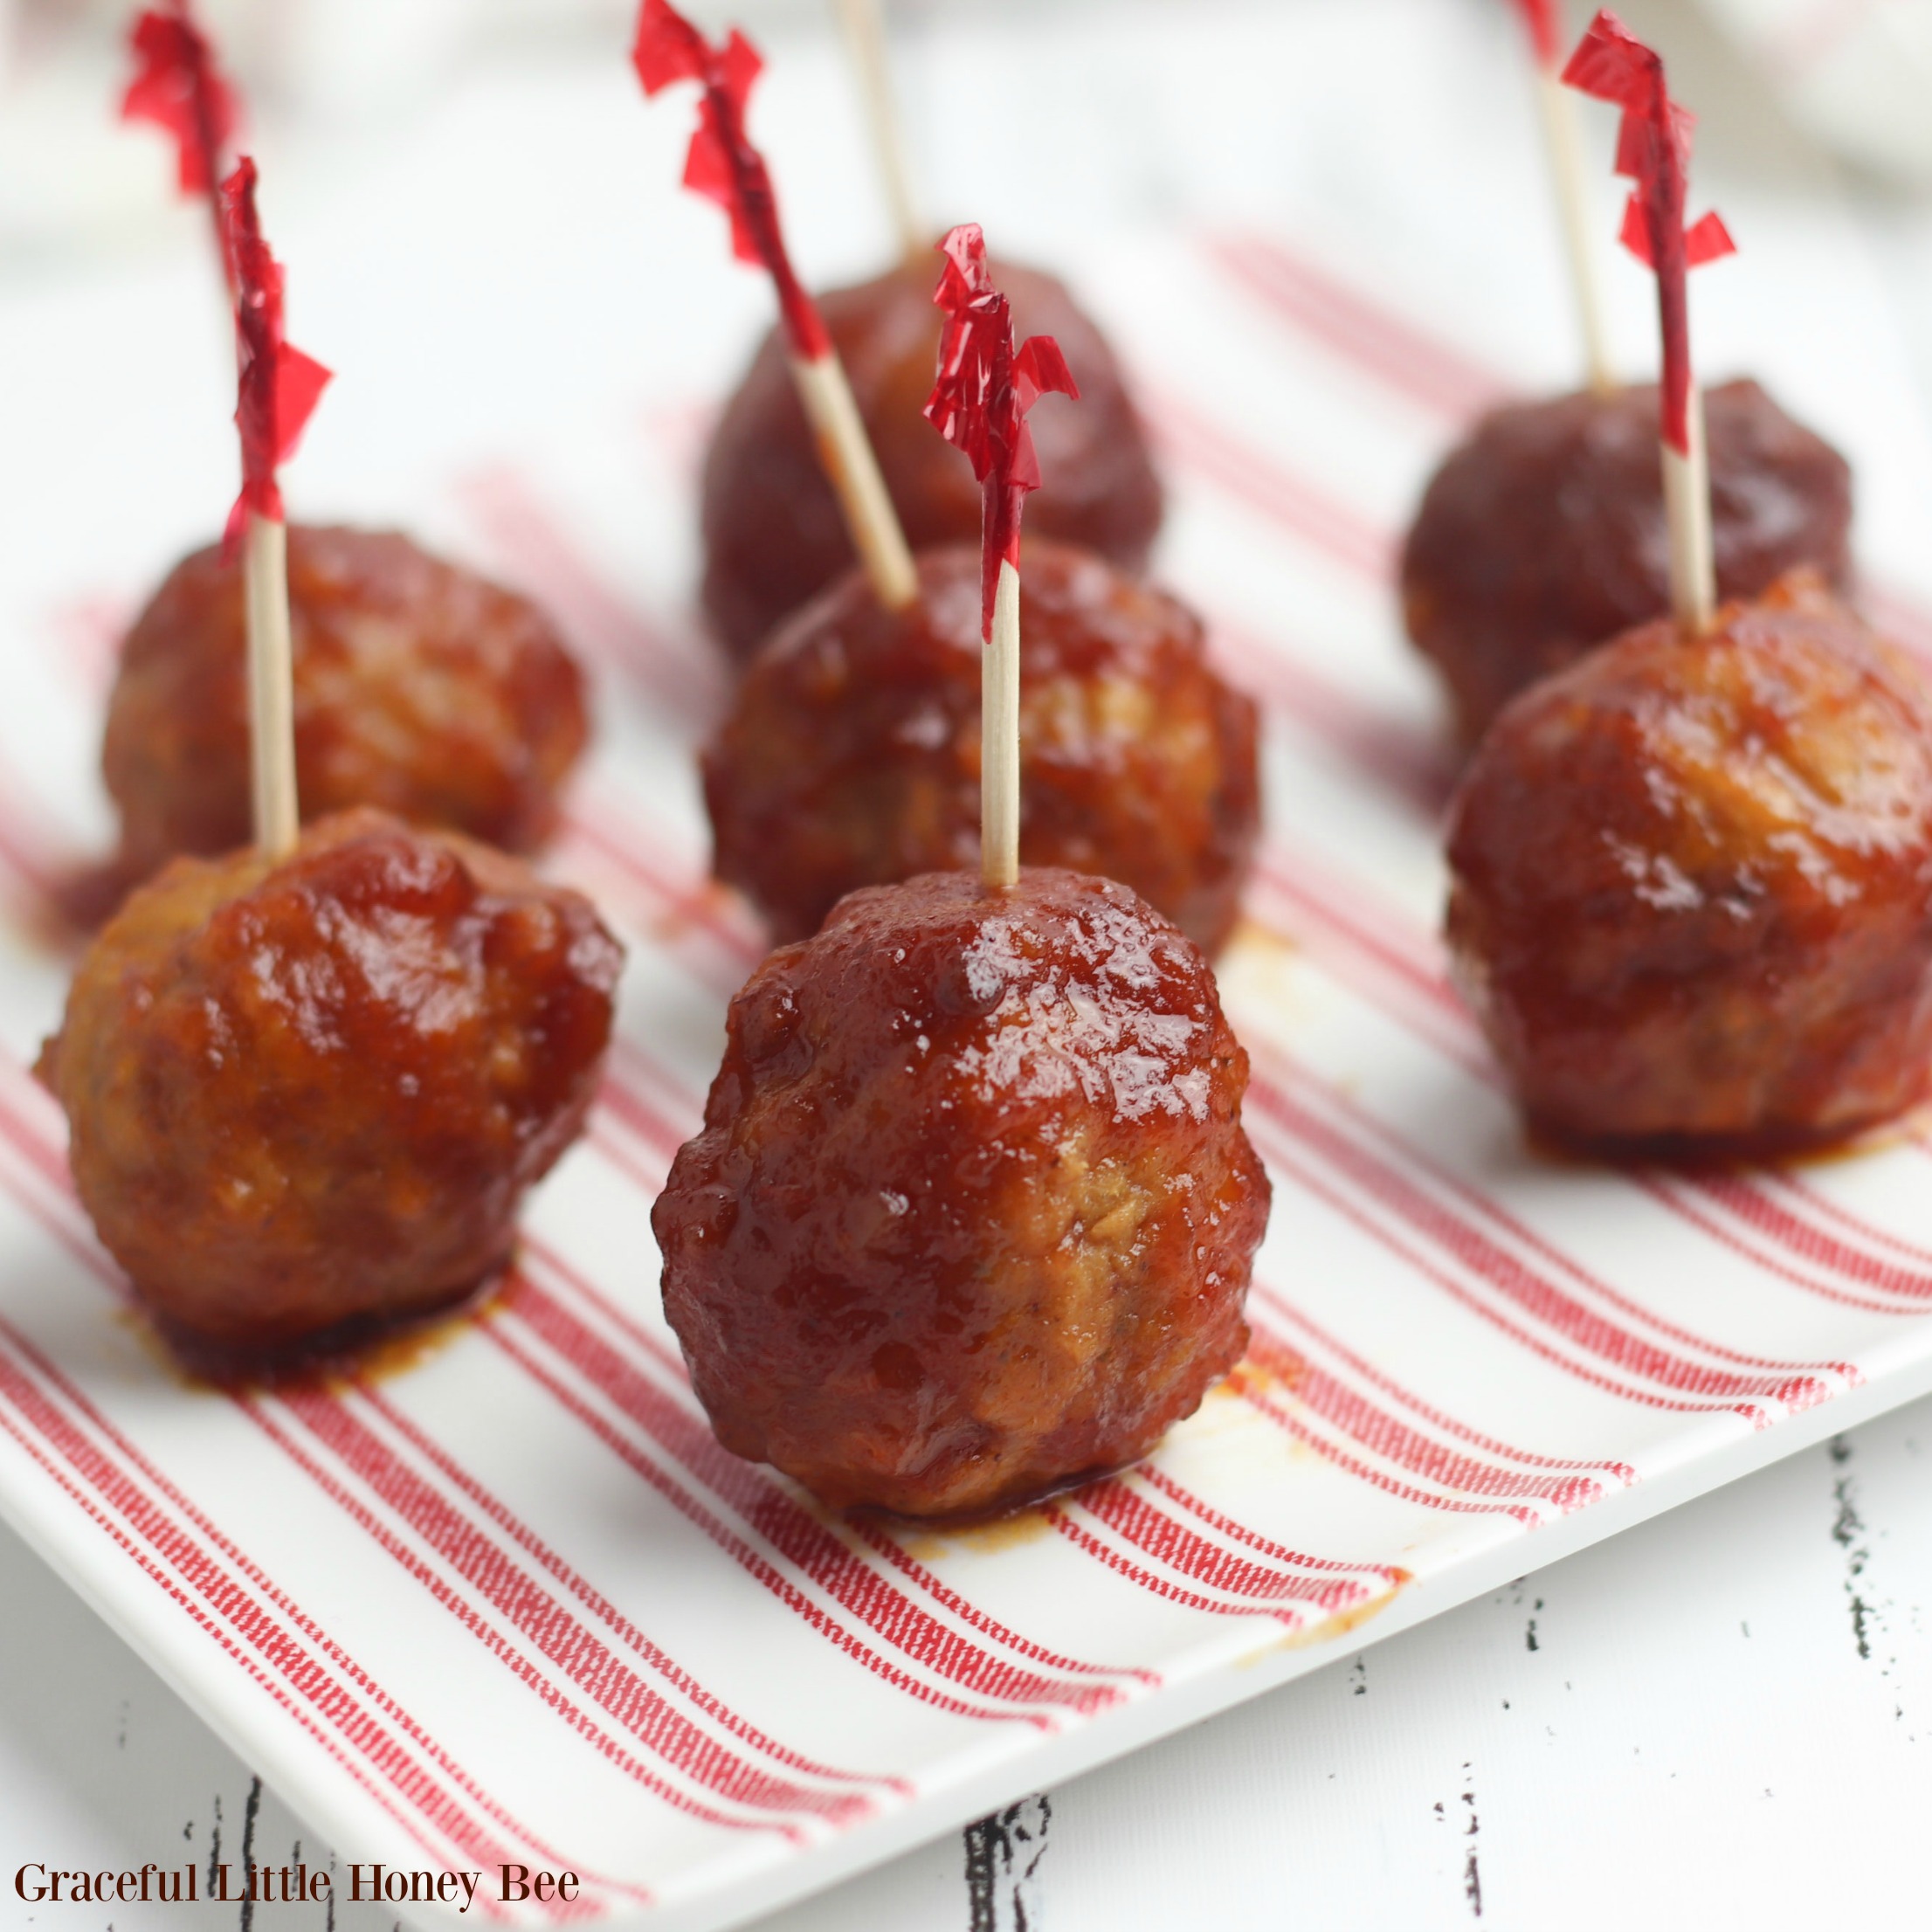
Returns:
(972, 1213)
(1691, 895)
(419, 688)
(306, 1099)
(1542, 535)
(773, 535)
(851, 755)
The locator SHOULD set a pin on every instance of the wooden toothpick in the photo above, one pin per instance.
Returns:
(1566, 170)
(1543, 19)
(999, 736)
(271, 689)
(846, 452)
(1687, 512)
(723, 166)
(979, 403)
(865, 39)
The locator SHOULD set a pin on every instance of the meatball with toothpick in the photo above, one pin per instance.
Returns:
(1692, 897)
(851, 755)
(972, 1214)
(306, 1098)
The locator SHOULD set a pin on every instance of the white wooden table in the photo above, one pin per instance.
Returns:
(1723, 1717)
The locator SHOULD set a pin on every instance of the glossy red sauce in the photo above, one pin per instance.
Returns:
(972, 1213)
(850, 755)
(1543, 533)
(1692, 895)
(305, 1100)
(773, 536)
(420, 688)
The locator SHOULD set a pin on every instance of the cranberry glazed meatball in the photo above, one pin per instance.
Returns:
(851, 756)
(1542, 535)
(1692, 883)
(972, 1213)
(419, 688)
(772, 530)
(305, 1099)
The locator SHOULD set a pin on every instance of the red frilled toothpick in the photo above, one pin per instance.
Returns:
(279, 385)
(1544, 20)
(979, 405)
(724, 167)
(178, 87)
(277, 392)
(1653, 147)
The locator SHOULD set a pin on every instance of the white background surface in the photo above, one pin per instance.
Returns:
(1718, 1719)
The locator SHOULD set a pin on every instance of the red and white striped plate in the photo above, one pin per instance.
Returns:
(510, 1604)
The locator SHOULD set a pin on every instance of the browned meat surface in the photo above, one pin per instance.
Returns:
(306, 1100)
(972, 1213)
(851, 756)
(419, 688)
(1692, 884)
(772, 532)
(1542, 535)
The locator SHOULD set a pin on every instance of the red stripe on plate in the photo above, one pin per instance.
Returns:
(498, 1646)
(1156, 1478)
(1761, 1227)
(601, 1606)
(1266, 485)
(661, 1135)
(786, 1526)
(645, 1172)
(942, 1592)
(1312, 1333)
(1159, 1535)
(757, 1567)
(1268, 1404)
(431, 1516)
(1124, 1566)
(1293, 1374)
(1402, 356)
(585, 1658)
(678, 671)
(142, 1496)
(1440, 1277)
(1756, 1208)
(1743, 1247)
(1486, 1204)
(695, 906)
(1820, 1202)
(1335, 920)
(1417, 765)
(1461, 1241)
(222, 1603)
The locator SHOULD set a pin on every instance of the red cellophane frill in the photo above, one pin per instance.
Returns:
(1653, 150)
(279, 385)
(721, 164)
(985, 388)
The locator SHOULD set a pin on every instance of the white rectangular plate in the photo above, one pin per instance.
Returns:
(509, 1603)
